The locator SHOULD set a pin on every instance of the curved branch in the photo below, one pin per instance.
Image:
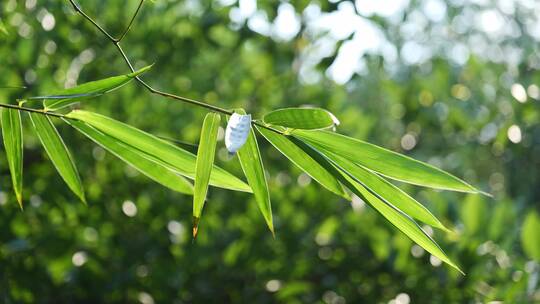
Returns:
(116, 42)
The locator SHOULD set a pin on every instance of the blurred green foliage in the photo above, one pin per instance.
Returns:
(478, 118)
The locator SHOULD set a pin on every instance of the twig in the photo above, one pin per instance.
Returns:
(131, 21)
(39, 111)
(116, 42)
(80, 11)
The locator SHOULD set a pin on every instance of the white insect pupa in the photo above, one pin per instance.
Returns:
(237, 131)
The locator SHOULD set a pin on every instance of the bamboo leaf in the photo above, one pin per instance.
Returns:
(390, 164)
(252, 165)
(396, 217)
(135, 158)
(400, 220)
(303, 161)
(389, 192)
(177, 159)
(182, 144)
(301, 118)
(64, 98)
(12, 134)
(58, 152)
(205, 161)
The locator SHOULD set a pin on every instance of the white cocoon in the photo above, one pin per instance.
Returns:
(237, 131)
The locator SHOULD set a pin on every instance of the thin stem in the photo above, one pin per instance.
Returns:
(187, 100)
(131, 21)
(39, 111)
(80, 11)
(128, 62)
(116, 43)
(13, 87)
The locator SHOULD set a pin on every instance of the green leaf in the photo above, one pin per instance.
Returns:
(387, 191)
(252, 165)
(529, 235)
(182, 144)
(135, 158)
(205, 161)
(303, 161)
(400, 220)
(58, 152)
(396, 217)
(12, 134)
(385, 162)
(177, 159)
(301, 118)
(87, 90)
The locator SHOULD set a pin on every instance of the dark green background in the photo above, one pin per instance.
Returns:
(325, 250)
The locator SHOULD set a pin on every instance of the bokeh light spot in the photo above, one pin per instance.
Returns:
(129, 208)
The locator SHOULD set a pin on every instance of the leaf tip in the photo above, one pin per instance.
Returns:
(141, 71)
(20, 201)
(447, 230)
(453, 265)
(272, 231)
(485, 193)
(195, 226)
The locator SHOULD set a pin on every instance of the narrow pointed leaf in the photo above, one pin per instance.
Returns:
(57, 152)
(303, 161)
(383, 161)
(388, 191)
(205, 161)
(252, 165)
(175, 157)
(396, 217)
(301, 118)
(400, 220)
(12, 134)
(87, 90)
(135, 158)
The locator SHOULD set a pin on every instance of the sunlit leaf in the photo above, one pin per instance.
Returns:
(135, 158)
(205, 161)
(400, 220)
(387, 191)
(252, 165)
(301, 118)
(87, 90)
(303, 161)
(57, 152)
(396, 217)
(12, 134)
(383, 161)
(182, 144)
(529, 235)
(176, 158)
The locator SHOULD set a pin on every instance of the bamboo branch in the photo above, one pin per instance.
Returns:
(116, 42)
